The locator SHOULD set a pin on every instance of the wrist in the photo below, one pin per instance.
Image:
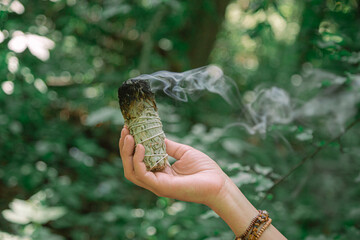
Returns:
(233, 207)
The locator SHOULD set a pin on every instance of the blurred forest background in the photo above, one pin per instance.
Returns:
(296, 64)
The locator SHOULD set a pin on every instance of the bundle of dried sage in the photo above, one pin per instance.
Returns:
(138, 106)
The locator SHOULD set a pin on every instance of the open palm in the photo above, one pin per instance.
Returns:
(194, 177)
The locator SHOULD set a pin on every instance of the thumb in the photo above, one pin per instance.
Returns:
(176, 150)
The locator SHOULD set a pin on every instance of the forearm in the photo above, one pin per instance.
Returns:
(233, 207)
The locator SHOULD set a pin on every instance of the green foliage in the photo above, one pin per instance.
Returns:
(63, 60)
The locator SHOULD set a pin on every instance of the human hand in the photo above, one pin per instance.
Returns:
(194, 177)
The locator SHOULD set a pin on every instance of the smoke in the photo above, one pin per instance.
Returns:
(181, 85)
(269, 106)
(334, 105)
(266, 106)
(274, 105)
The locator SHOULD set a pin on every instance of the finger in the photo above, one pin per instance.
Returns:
(142, 177)
(139, 165)
(124, 133)
(146, 177)
(128, 147)
(176, 150)
(127, 157)
(128, 163)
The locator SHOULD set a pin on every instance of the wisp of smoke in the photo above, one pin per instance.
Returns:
(180, 85)
(270, 105)
(336, 104)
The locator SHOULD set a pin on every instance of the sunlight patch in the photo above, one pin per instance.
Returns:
(39, 46)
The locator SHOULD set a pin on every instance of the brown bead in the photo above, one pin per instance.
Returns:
(251, 232)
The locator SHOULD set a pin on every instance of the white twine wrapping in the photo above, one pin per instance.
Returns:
(142, 120)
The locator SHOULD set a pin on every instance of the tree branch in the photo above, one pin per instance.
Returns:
(310, 156)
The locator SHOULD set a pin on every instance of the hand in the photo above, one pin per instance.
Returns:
(194, 177)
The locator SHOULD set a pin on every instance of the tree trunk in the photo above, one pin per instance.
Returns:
(207, 16)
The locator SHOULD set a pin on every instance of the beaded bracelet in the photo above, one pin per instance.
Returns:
(255, 234)
(260, 219)
(263, 228)
(249, 227)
